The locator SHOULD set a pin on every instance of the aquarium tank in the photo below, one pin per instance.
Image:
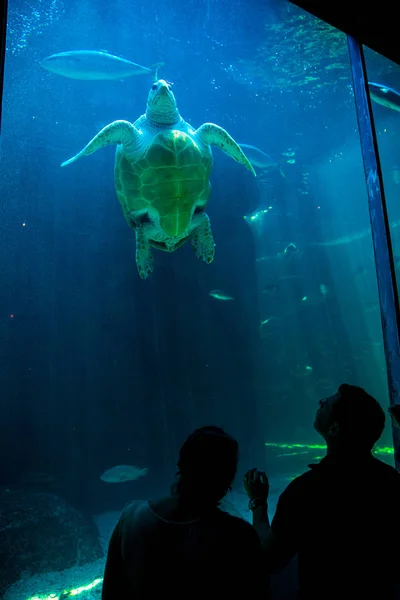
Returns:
(127, 318)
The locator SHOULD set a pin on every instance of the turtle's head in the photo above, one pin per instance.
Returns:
(161, 104)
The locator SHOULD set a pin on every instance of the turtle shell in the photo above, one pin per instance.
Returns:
(171, 179)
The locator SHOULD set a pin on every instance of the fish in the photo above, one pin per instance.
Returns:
(94, 65)
(270, 287)
(123, 473)
(384, 95)
(395, 174)
(259, 159)
(264, 322)
(290, 248)
(219, 295)
(323, 289)
(360, 271)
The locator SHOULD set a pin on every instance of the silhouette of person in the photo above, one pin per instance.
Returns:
(341, 516)
(183, 545)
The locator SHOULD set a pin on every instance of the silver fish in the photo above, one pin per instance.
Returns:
(259, 159)
(219, 295)
(395, 174)
(384, 95)
(93, 65)
(123, 473)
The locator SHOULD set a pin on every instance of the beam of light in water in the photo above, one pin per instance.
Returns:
(300, 448)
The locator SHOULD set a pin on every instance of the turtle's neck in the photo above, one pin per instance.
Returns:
(163, 117)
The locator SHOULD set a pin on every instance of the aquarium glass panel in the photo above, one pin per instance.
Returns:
(384, 87)
(176, 274)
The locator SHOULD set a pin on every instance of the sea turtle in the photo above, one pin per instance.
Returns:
(162, 170)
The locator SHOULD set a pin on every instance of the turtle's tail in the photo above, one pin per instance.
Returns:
(156, 67)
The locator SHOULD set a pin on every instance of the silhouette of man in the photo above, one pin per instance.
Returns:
(184, 545)
(342, 517)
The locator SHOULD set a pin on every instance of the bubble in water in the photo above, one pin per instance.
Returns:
(32, 18)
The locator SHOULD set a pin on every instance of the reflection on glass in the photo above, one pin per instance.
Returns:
(384, 80)
(103, 371)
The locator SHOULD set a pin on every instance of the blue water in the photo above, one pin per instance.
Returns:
(99, 368)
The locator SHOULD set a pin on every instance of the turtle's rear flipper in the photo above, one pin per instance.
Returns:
(144, 257)
(119, 132)
(213, 135)
(202, 240)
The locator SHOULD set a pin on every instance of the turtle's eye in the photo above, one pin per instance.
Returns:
(154, 86)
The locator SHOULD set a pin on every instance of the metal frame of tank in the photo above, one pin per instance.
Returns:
(380, 229)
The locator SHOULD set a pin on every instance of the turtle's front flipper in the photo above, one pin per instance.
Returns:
(216, 136)
(144, 257)
(202, 239)
(119, 132)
